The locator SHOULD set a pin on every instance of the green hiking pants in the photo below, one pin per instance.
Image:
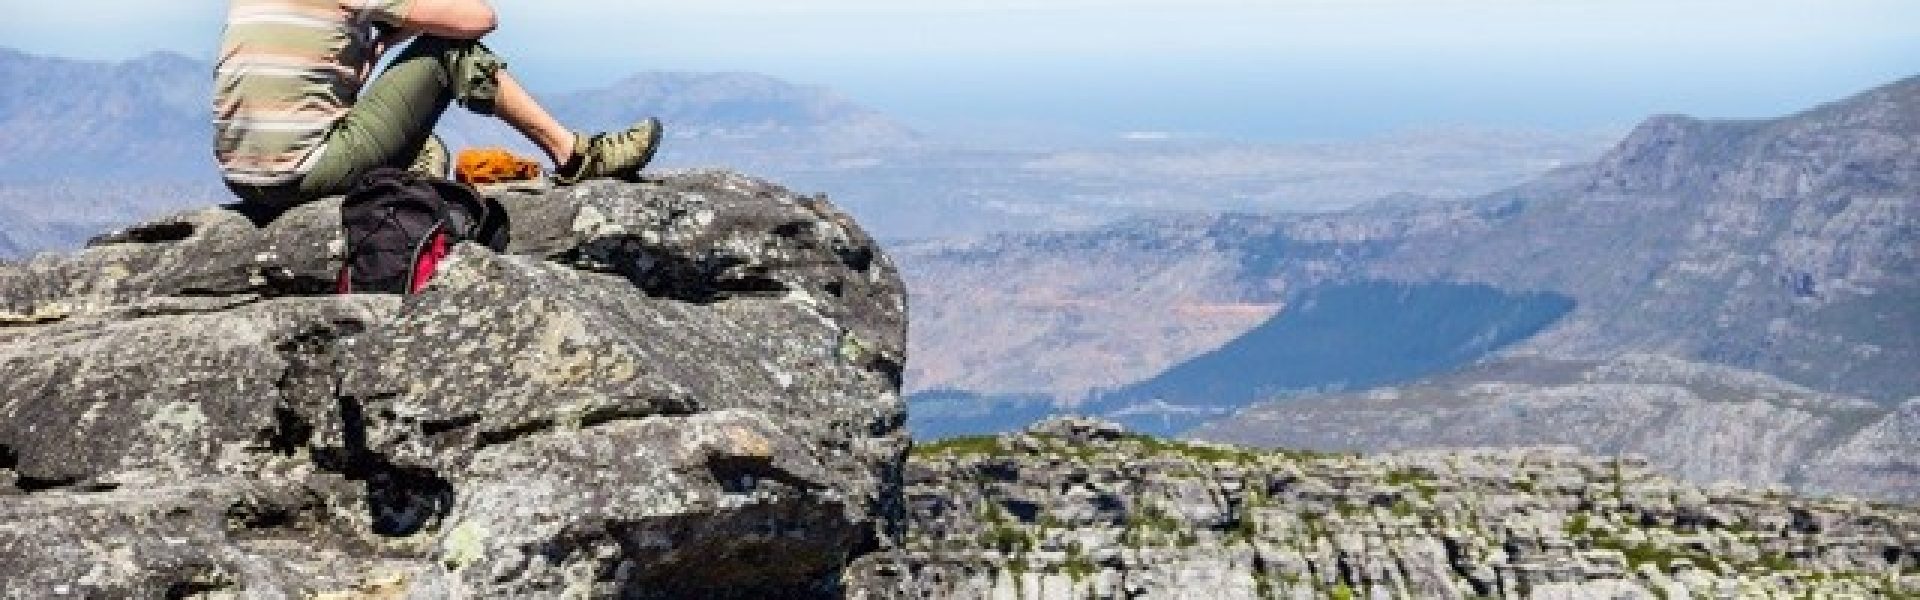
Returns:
(391, 122)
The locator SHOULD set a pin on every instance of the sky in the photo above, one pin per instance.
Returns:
(1271, 69)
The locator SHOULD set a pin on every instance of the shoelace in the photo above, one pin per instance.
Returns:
(630, 135)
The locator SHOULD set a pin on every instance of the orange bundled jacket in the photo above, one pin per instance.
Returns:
(485, 166)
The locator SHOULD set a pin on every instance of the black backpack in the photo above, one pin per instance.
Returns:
(400, 225)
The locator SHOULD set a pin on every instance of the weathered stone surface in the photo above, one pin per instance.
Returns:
(1702, 423)
(1041, 515)
(656, 387)
(1876, 462)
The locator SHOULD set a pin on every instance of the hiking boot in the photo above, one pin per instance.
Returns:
(613, 155)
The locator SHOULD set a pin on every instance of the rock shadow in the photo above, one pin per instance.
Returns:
(401, 501)
(704, 280)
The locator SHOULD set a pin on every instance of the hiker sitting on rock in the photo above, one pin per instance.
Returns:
(292, 123)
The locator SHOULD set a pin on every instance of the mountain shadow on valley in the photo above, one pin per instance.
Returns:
(1341, 337)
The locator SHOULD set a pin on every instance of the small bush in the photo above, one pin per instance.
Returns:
(1577, 525)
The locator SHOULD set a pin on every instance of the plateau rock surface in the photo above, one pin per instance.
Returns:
(1076, 508)
(1699, 422)
(655, 385)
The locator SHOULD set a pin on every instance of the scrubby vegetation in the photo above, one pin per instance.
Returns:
(1078, 500)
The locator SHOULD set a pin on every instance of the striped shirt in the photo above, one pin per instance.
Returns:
(288, 71)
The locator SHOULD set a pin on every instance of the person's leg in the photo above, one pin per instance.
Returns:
(620, 154)
(518, 108)
(390, 123)
(395, 116)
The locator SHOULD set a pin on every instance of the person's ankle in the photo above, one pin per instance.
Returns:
(571, 168)
(569, 164)
(560, 147)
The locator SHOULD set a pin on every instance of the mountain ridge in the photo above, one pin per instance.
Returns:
(1785, 247)
(813, 138)
(1786, 218)
(87, 145)
(138, 117)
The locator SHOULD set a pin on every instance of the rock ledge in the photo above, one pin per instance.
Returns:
(658, 385)
(1050, 513)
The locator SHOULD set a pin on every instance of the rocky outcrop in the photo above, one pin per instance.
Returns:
(1877, 462)
(655, 387)
(1076, 508)
(1701, 423)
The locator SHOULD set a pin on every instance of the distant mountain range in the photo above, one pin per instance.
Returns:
(1784, 249)
(148, 117)
(742, 120)
(1784, 246)
(70, 124)
(88, 145)
(145, 118)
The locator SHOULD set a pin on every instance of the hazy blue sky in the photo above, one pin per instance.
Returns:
(1272, 69)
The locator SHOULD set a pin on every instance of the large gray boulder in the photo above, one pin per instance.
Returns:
(672, 388)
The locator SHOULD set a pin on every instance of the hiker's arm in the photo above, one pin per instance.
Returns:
(453, 19)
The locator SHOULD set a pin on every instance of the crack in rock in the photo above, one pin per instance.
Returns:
(658, 422)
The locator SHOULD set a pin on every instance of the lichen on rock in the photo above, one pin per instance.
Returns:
(646, 395)
(1078, 508)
